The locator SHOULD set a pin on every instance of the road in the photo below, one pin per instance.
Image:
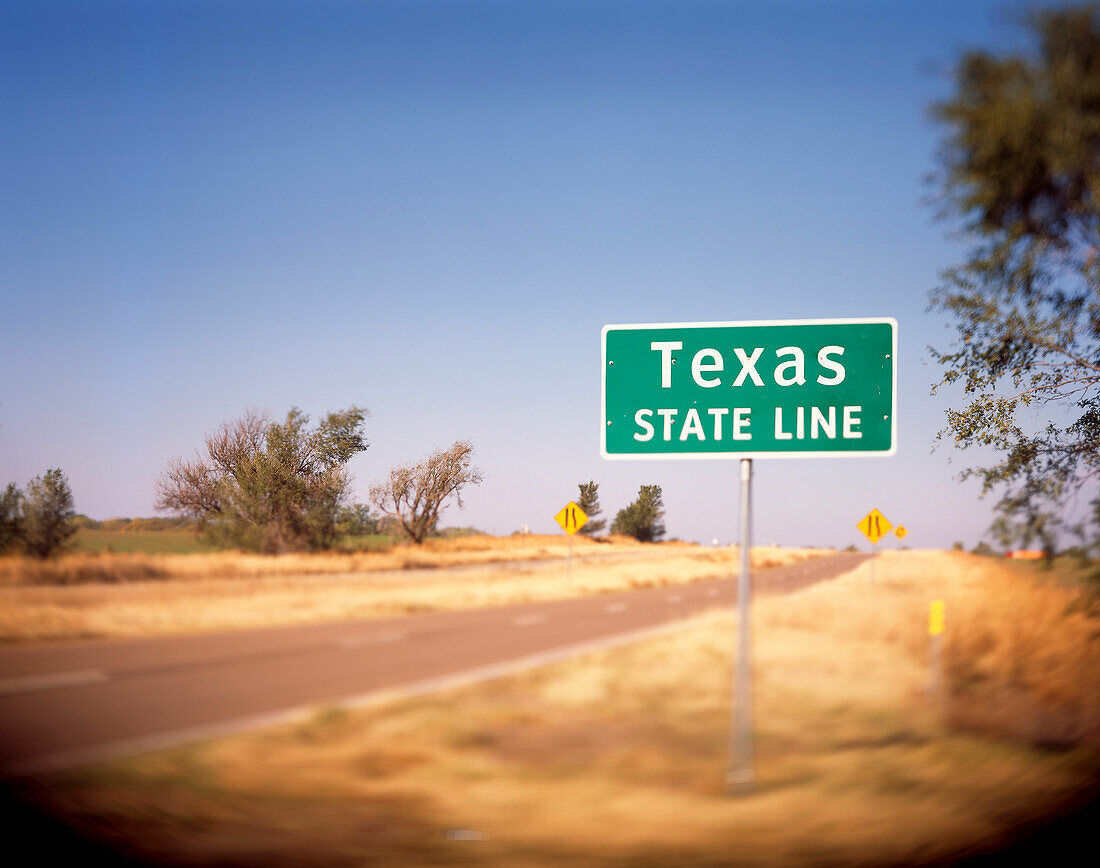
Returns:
(67, 705)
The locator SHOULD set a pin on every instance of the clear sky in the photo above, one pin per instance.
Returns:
(431, 209)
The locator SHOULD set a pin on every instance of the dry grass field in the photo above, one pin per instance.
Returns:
(618, 757)
(119, 567)
(127, 595)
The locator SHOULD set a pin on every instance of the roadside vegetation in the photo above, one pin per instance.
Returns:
(588, 499)
(619, 757)
(1019, 176)
(268, 486)
(274, 488)
(37, 522)
(642, 519)
(414, 495)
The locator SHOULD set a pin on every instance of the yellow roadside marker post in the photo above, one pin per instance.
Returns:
(874, 526)
(571, 518)
(936, 625)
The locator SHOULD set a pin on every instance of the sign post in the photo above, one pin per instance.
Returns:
(571, 518)
(746, 390)
(741, 774)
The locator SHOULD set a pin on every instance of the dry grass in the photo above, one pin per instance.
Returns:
(123, 567)
(618, 757)
(235, 591)
(109, 568)
(1024, 661)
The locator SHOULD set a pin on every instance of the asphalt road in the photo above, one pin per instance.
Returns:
(67, 705)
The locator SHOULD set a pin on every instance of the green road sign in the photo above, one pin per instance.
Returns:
(750, 389)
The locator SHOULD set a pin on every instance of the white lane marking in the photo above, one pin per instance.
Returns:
(529, 620)
(71, 759)
(615, 608)
(713, 592)
(675, 598)
(388, 637)
(466, 835)
(51, 681)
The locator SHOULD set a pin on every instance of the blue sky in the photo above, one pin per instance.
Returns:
(431, 209)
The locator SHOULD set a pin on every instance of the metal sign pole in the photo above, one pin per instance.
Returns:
(570, 557)
(740, 777)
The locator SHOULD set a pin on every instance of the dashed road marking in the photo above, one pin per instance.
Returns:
(529, 620)
(675, 598)
(614, 608)
(51, 681)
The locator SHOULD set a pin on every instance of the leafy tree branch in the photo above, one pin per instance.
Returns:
(1020, 167)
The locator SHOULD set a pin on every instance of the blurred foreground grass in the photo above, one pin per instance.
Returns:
(619, 757)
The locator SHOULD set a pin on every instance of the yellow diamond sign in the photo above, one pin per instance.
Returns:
(900, 532)
(874, 526)
(571, 518)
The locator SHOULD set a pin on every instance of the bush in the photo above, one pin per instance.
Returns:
(82, 522)
(46, 520)
(643, 518)
(269, 486)
(358, 520)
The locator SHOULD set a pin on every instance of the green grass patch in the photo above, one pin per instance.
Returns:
(376, 542)
(186, 542)
(148, 542)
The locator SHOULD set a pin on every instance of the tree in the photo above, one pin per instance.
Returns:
(642, 518)
(1021, 170)
(46, 514)
(11, 518)
(588, 500)
(268, 486)
(415, 494)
